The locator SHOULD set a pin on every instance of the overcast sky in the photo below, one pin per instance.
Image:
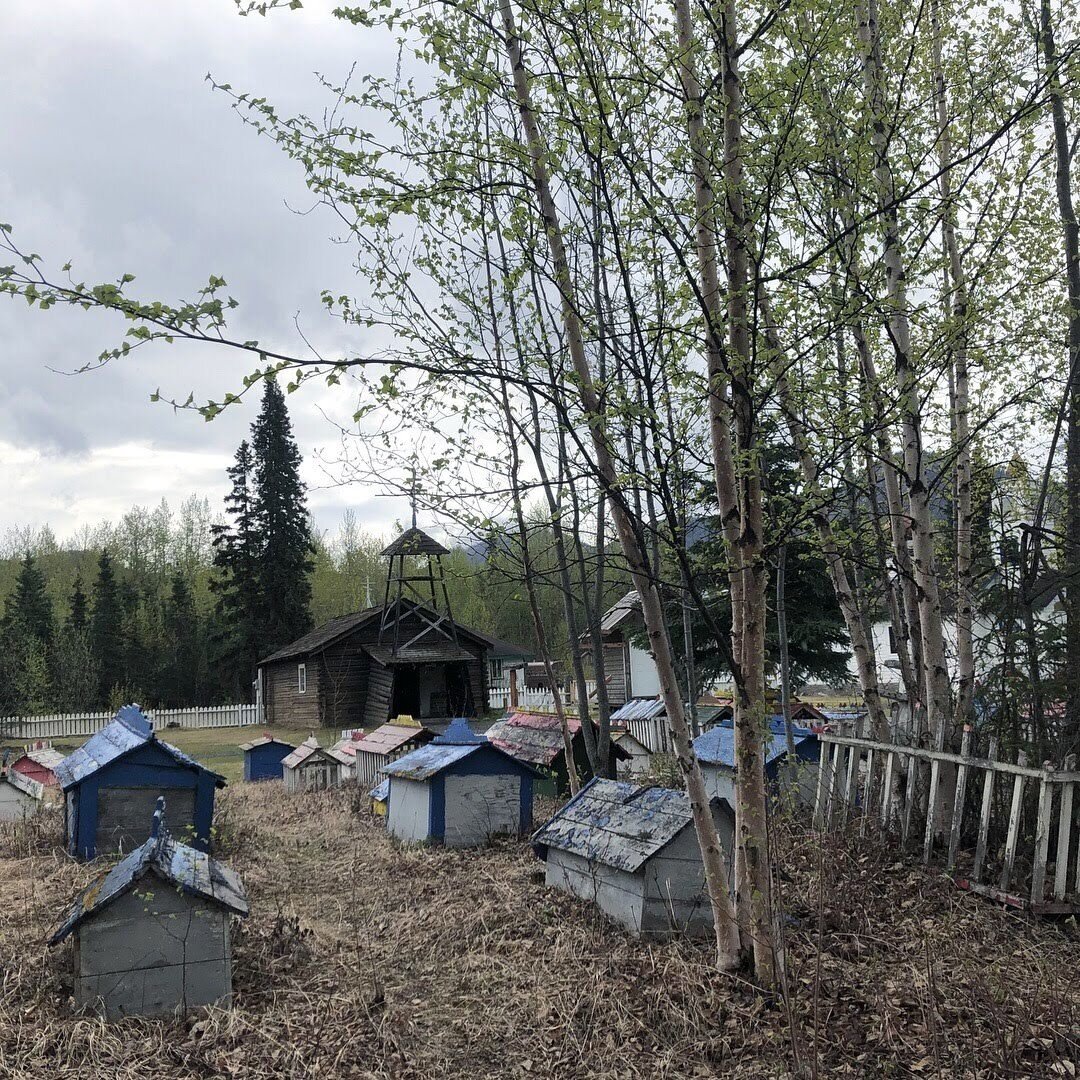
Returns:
(117, 155)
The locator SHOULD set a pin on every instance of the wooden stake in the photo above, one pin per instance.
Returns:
(958, 804)
(830, 805)
(868, 795)
(822, 785)
(1042, 839)
(984, 814)
(909, 798)
(931, 810)
(887, 790)
(1065, 806)
(1014, 826)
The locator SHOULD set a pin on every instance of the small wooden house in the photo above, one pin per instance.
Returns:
(39, 763)
(19, 795)
(646, 720)
(263, 757)
(634, 853)
(152, 935)
(640, 760)
(386, 744)
(112, 782)
(459, 790)
(310, 768)
(715, 750)
(380, 797)
(629, 671)
(536, 740)
(345, 751)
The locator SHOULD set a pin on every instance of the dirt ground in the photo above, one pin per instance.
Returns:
(361, 959)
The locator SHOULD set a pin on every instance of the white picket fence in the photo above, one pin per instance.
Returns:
(499, 697)
(60, 725)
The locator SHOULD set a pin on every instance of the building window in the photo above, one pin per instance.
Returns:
(892, 641)
(301, 678)
(496, 666)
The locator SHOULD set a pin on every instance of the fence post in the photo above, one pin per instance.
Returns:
(1014, 825)
(958, 802)
(984, 814)
(1065, 805)
(1042, 836)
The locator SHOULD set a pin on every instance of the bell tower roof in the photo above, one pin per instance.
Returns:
(415, 541)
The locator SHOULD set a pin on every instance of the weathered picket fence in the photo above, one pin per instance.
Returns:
(506, 696)
(60, 725)
(995, 836)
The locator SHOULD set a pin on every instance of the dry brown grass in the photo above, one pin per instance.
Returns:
(363, 960)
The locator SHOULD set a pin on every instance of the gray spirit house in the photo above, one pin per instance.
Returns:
(633, 852)
(152, 936)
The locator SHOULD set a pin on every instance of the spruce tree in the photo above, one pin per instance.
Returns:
(236, 582)
(29, 606)
(107, 630)
(78, 608)
(281, 520)
(181, 679)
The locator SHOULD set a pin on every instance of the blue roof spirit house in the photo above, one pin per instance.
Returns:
(458, 790)
(263, 757)
(152, 934)
(112, 782)
(715, 750)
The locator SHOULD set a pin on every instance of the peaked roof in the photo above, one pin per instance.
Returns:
(191, 871)
(625, 608)
(46, 757)
(308, 748)
(415, 541)
(717, 745)
(21, 782)
(536, 738)
(391, 737)
(497, 647)
(129, 730)
(619, 825)
(265, 740)
(639, 709)
(455, 744)
(324, 635)
(333, 631)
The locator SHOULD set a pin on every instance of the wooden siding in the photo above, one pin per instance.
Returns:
(380, 691)
(283, 702)
(615, 672)
(124, 815)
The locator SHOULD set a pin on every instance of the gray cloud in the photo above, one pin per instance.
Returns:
(117, 155)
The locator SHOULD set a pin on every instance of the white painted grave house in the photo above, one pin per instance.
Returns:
(633, 852)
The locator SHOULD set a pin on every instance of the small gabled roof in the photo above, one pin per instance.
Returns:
(265, 740)
(623, 738)
(455, 744)
(381, 791)
(616, 824)
(415, 541)
(191, 871)
(717, 745)
(536, 738)
(391, 737)
(127, 731)
(46, 757)
(305, 751)
(625, 608)
(21, 782)
(639, 709)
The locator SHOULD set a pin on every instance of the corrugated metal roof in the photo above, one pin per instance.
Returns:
(619, 825)
(192, 871)
(717, 745)
(427, 761)
(21, 782)
(265, 740)
(309, 747)
(127, 731)
(639, 709)
(391, 737)
(532, 738)
(415, 541)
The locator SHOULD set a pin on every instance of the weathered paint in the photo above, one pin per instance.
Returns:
(154, 952)
(634, 853)
(16, 800)
(409, 818)
(479, 806)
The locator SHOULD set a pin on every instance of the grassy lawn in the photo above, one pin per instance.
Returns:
(217, 748)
